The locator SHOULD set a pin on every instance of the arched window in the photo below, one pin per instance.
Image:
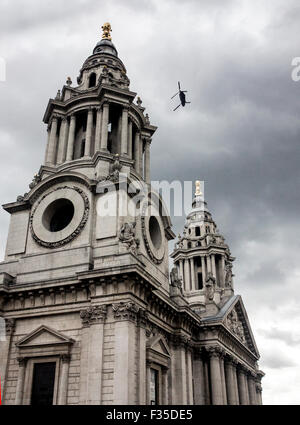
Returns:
(92, 80)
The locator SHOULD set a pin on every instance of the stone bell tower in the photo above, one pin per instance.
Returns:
(89, 313)
(203, 259)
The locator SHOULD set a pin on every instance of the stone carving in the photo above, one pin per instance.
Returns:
(114, 171)
(139, 102)
(210, 282)
(125, 310)
(21, 198)
(228, 274)
(147, 119)
(128, 236)
(93, 314)
(76, 232)
(175, 279)
(69, 81)
(235, 325)
(10, 325)
(36, 179)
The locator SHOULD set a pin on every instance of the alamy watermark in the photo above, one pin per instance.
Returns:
(160, 198)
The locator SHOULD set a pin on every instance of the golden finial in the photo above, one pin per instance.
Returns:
(198, 188)
(106, 28)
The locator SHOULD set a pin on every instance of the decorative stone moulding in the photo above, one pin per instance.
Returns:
(55, 239)
(153, 234)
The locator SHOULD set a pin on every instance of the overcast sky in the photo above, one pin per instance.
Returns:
(240, 134)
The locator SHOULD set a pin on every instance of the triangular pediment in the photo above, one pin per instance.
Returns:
(43, 335)
(159, 344)
(236, 321)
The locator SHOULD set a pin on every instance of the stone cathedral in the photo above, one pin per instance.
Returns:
(90, 313)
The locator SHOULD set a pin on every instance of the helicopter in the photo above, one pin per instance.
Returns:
(181, 97)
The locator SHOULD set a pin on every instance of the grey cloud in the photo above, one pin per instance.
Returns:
(282, 335)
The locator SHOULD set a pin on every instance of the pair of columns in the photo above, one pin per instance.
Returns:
(208, 265)
(60, 147)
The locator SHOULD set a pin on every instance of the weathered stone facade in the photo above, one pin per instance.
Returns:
(85, 287)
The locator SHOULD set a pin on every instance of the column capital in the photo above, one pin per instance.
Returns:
(213, 351)
(126, 310)
(231, 361)
(93, 314)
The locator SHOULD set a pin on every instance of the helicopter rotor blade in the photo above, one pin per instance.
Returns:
(176, 107)
(175, 95)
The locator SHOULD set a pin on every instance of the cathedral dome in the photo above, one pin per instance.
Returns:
(105, 46)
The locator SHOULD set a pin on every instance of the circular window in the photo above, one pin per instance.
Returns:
(58, 215)
(155, 233)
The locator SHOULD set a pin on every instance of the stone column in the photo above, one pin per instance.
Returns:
(203, 270)
(89, 129)
(63, 382)
(137, 142)
(222, 368)
(187, 279)
(71, 138)
(213, 267)
(62, 142)
(208, 261)
(179, 381)
(125, 391)
(124, 131)
(232, 398)
(199, 379)
(129, 149)
(141, 357)
(93, 319)
(98, 130)
(4, 353)
(252, 389)
(141, 152)
(189, 376)
(147, 161)
(20, 384)
(51, 154)
(193, 274)
(181, 273)
(215, 376)
(222, 272)
(48, 141)
(165, 388)
(148, 379)
(104, 127)
(242, 386)
(258, 392)
(236, 389)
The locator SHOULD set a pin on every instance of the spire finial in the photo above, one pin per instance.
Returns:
(106, 28)
(198, 188)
